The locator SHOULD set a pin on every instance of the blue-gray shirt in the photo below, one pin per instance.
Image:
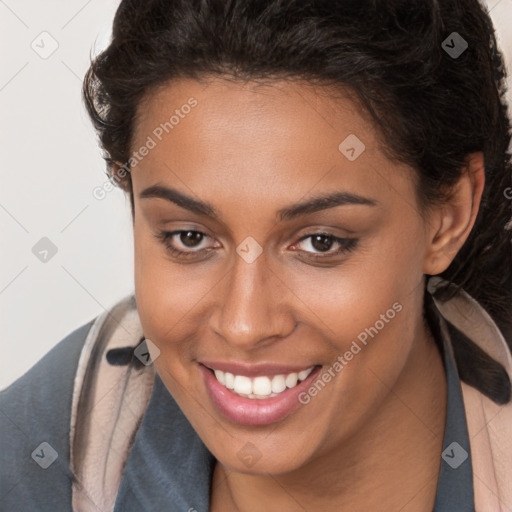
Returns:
(168, 467)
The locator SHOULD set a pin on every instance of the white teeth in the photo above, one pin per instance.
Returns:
(220, 377)
(278, 384)
(230, 380)
(291, 380)
(304, 373)
(243, 385)
(260, 387)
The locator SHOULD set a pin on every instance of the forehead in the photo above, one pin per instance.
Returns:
(254, 136)
(266, 109)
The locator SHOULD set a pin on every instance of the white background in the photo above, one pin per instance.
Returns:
(50, 163)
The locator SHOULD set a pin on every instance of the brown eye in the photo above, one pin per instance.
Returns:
(320, 245)
(190, 238)
(322, 242)
(186, 244)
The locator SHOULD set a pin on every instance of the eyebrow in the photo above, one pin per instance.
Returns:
(308, 206)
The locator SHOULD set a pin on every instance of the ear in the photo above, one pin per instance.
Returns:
(451, 222)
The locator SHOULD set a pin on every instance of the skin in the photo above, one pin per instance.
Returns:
(372, 439)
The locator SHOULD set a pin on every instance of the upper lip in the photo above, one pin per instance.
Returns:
(255, 370)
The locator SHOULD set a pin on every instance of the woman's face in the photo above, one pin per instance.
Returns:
(256, 293)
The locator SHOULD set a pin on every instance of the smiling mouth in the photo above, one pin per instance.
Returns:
(260, 387)
(267, 393)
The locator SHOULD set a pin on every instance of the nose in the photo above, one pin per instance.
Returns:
(253, 306)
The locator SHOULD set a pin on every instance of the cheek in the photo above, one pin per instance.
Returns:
(367, 310)
(352, 296)
(165, 291)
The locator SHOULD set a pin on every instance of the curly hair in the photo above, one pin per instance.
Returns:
(430, 108)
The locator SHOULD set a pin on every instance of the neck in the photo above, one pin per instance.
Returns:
(392, 463)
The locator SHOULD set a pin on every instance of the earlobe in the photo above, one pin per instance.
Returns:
(452, 222)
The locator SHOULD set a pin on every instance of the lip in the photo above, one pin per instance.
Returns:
(251, 370)
(247, 411)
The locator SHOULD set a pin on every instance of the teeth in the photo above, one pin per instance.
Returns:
(278, 384)
(229, 380)
(220, 377)
(260, 387)
(243, 385)
(291, 380)
(304, 373)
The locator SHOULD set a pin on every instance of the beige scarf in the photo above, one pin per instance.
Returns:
(112, 401)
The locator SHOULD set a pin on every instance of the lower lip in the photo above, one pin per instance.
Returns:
(248, 411)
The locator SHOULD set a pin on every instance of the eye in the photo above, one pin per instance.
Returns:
(184, 243)
(191, 244)
(319, 245)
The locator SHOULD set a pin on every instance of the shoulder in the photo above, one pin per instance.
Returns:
(34, 430)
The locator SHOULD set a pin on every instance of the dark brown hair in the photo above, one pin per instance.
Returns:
(432, 108)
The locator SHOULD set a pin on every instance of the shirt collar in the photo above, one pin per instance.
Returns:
(169, 467)
(455, 482)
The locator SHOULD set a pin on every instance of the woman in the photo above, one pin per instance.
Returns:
(321, 317)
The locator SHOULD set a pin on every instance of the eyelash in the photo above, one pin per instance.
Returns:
(346, 244)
